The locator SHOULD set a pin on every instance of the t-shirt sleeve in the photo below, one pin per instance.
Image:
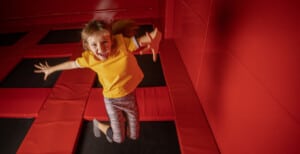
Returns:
(83, 61)
(132, 44)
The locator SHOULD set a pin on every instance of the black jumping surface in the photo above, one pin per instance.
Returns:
(61, 36)
(153, 73)
(23, 76)
(143, 29)
(8, 39)
(12, 132)
(155, 138)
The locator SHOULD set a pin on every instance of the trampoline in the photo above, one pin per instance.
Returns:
(61, 36)
(54, 116)
(22, 75)
(13, 131)
(9, 39)
(155, 137)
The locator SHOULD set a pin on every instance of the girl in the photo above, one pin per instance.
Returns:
(110, 56)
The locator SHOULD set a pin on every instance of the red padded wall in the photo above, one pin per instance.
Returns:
(242, 57)
(34, 12)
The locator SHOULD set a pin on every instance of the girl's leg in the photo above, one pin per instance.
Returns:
(133, 124)
(132, 114)
(116, 131)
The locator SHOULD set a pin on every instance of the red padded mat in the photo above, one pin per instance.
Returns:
(22, 102)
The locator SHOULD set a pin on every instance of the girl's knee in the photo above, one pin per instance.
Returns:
(119, 140)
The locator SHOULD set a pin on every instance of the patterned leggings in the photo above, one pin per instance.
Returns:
(119, 110)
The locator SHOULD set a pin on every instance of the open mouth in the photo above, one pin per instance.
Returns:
(102, 56)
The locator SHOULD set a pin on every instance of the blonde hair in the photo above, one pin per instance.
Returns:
(126, 27)
(91, 28)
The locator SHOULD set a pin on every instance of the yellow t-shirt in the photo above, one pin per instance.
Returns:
(120, 74)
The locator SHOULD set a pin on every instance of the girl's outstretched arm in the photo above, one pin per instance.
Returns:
(47, 70)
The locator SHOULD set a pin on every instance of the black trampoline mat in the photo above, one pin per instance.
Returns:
(12, 132)
(8, 39)
(23, 76)
(61, 36)
(155, 138)
(153, 73)
(143, 29)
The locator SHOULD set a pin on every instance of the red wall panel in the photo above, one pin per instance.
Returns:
(244, 67)
(268, 43)
(189, 34)
(33, 12)
(200, 8)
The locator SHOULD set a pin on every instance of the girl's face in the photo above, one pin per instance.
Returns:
(100, 44)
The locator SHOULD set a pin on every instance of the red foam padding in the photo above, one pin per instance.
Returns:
(192, 127)
(61, 110)
(95, 106)
(194, 135)
(154, 104)
(50, 137)
(22, 102)
(56, 128)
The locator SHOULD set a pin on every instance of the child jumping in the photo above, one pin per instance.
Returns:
(109, 54)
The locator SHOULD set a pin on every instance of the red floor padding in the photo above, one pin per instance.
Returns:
(22, 102)
(154, 104)
(50, 137)
(193, 130)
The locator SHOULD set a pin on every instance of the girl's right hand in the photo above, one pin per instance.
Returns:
(43, 68)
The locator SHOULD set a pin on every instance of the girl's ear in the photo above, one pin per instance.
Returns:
(84, 45)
